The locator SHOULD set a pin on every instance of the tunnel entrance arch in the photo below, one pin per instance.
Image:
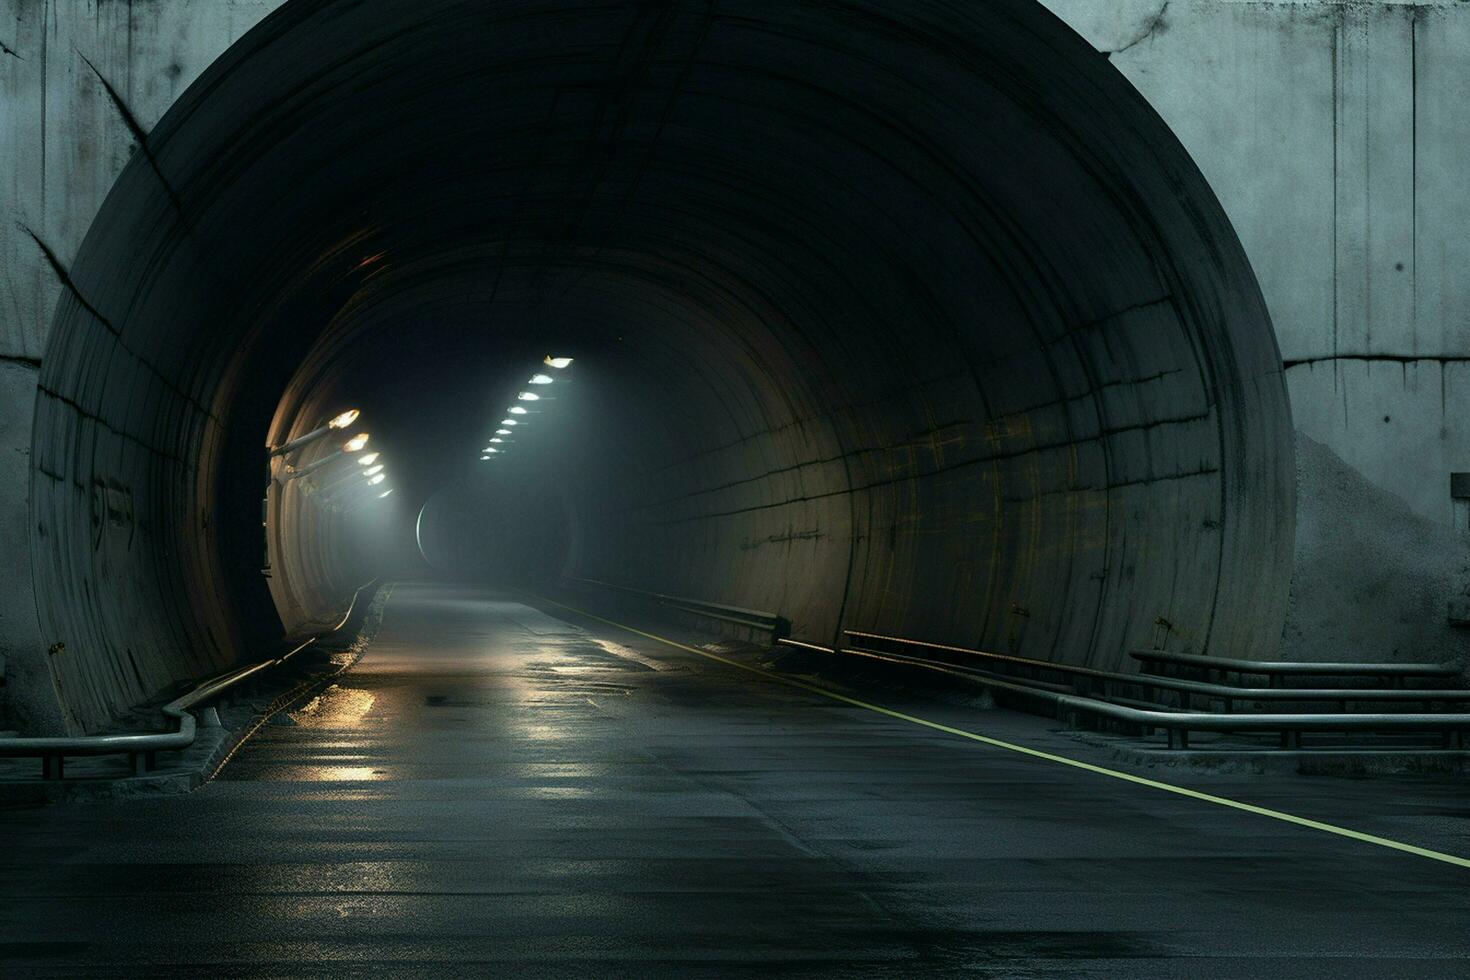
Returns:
(912, 318)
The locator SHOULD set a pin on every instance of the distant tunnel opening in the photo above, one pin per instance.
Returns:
(912, 318)
(492, 525)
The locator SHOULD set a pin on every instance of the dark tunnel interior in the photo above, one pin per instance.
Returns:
(912, 319)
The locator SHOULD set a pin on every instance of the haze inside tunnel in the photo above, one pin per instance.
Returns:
(966, 352)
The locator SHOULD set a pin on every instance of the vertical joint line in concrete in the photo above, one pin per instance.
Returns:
(1366, 72)
(1336, 284)
(42, 88)
(1414, 177)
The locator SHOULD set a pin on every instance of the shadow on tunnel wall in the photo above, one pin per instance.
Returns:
(908, 317)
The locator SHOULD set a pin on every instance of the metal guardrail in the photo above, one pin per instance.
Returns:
(1276, 670)
(1177, 723)
(754, 619)
(143, 747)
(1091, 681)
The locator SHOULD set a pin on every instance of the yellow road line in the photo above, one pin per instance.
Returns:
(1291, 818)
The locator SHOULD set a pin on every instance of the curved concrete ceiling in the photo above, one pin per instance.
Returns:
(910, 317)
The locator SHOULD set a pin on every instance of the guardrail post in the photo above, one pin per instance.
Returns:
(1179, 738)
(210, 717)
(52, 767)
(1291, 740)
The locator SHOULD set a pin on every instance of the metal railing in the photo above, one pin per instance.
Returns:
(1177, 723)
(1276, 671)
(143, 747)
(1090, 681)
(752, 619)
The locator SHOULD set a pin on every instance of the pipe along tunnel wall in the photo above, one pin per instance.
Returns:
(911, 318)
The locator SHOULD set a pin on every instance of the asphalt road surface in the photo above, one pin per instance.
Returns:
(498, 789)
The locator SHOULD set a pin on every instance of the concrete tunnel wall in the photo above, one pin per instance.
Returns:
(966, 351)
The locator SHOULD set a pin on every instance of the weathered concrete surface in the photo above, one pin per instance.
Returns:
(22, 650)
(1334, 134)
(62, 139)
(1371, 576)
(62, 144)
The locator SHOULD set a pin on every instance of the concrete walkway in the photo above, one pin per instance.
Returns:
(494, 790)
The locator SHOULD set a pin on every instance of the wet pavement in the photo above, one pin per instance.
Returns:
(500, 790)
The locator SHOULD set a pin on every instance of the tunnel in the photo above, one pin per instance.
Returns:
(907, 318)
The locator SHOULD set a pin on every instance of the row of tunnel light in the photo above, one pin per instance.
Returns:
(516, 415)
(369, 472)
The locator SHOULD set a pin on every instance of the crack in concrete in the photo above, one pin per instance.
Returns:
(1369, 358)
(101, 422)
(1154, 23)
(7, 49)
(25, 359)
(131, 121)
(141, 136)
(64, 276)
